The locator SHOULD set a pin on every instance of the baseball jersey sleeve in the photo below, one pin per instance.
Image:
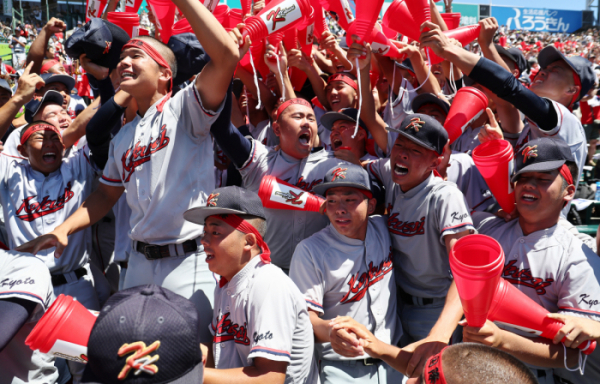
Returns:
(26, 278)
(110, 175)
(273, 315)
(579, 292)
(381, 171)
(193, 117)
(452, 212)
(308, 277)
(255, 167)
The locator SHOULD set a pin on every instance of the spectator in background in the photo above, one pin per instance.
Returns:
(17, 44)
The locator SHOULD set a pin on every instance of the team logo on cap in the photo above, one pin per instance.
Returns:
(212, 200)
(107, 49)
(140, 361)
(416, 123)
(338, 173)
(528, 152)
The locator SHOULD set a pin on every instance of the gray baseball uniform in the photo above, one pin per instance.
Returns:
(261, 313)
(463, 172)
(26, 278)
(554, 269)
(287, 228)
(399, 106)
(467, 141)
(165, 162)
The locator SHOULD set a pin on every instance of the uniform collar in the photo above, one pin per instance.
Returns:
(345, 239)
(538, 235)
(242, 278)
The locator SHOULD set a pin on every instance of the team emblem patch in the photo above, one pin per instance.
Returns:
(415, 123)
(107, 49)
(212, 200)
(529, 152)
(140, 361)
(338, 173)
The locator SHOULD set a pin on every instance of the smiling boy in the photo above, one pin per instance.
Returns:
(346, 270)
(260, 326)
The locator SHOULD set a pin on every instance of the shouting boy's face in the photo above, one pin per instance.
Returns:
(348, 210)
(411, 163)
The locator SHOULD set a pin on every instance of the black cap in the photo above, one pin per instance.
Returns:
(542, 155)
(348, 114)
(67, 80)
(33, 107)
(580, 65)
(189, 54)
(423, 130)
(516, 56)
(4, 85)
(406, 64)
(346, 175)
(227, 201)
(100, 40)
(429, 98)
(151, 317)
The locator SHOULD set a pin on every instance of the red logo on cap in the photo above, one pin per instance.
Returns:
(416, 123)
(212, 200)
(529, 151)
(107, 49)
(140, 361)
(338, 173)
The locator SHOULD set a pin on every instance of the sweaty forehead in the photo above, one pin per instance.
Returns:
(299, 108)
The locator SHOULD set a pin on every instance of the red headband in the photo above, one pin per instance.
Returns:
(344, 78)
(153, 53)
(245, 227)
(38, 127)
(566, 174)
(286, 104)
(577, 81)
(49, 64)
(433, 372)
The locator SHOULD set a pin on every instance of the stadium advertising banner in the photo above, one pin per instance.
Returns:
(538, 19)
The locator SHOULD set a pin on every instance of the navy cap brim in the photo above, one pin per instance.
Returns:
(195, 376)
(428, 98)
(198, 215)
(50, 97)
(322, 188)
(550, 54)
(413, 139)
(504, 52)
(67, 80)
(539, 167)
(328, 119)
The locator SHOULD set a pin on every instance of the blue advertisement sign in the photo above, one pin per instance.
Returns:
(538, 19)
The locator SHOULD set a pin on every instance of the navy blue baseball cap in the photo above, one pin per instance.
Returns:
(344, 175)
(406, 64)
(191, 57)
(423, 130)
(227, 201)
(516, 56)
(100, 40)
(67, 80)
(4, 85)
(33, 107)
(153, 323)
(580, 65)
(429, 98)
(347, 114)
(542, 155)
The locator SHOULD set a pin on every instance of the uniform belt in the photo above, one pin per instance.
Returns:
(68, 277)
(409, 299)
(155, 252)
(370, 361)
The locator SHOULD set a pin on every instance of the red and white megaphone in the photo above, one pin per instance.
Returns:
(398, 18)
(420, 11)
(469, 103)
(277, 194)
(342, 9)
(367, 13)
(277, 16)
(319, 19)
(452, 19)
(464, 35)
(164, 14)
(380, 44)
(246, 8)
(64, 330)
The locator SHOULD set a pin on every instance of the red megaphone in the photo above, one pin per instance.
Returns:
(380, 44)
(399, 18)
(420, 10)
(164, 12)
(366, 16)
(469, 103)
(495, 162)
(246, 8)
(464, 35)
(132, 5)
(277, 194)
(221, 13)
(304, 40)
(514, 308)
(452, 19)
(342, 9)
(277, 16)
(319, 19)
(126, 20)
(64, 330)
(182, 26)
(476, 262)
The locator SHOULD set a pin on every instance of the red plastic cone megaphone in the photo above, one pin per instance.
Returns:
(234, 18)
(464, 35)
(64, 330)
(94, 9)
(277, 16)
(132, 5)
(182, 26)
(246, 8)
(476, 262)
(398, 18)
(277, 194)
(452, 19)
(342, 9)
(304, 40)
(221, 13)
(126, 20)
(319, 19)
(164, 13)
(366, 16)
(495, 162)
(420, 11)
(514, 308)
(469, 103)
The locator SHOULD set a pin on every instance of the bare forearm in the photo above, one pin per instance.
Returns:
(321, 328)
(395, 357)
(540, 352)
(284, 83)
(266, 96)
(464, 60)
(368, 114)
(422, 71)
(8, 113)
(246, 375)
(37, 51)
(450, 316)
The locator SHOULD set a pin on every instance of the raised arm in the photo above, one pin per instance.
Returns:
(267, 98)
(277, 63)
(297, 58)
(213, 81)
(37, 51)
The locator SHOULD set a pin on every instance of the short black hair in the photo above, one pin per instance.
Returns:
(574, 172)
(258, 222)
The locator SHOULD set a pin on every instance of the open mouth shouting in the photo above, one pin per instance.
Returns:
(334, 102)
(336, 143)
(529, 198)
(400, 170)
(304, 139)
(49, 157)
(126, 75)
